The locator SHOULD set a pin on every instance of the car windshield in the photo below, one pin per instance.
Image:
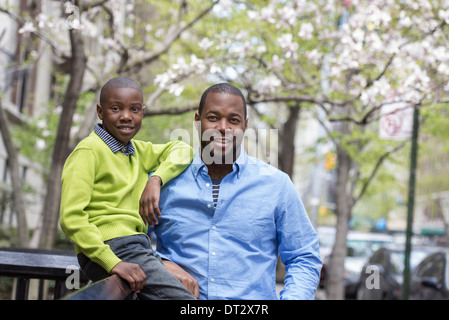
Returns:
(363, 248)
(397, 260)
(327, 240)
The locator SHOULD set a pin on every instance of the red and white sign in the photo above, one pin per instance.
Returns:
(396, 121)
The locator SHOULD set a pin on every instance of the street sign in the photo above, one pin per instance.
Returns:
(396, 121)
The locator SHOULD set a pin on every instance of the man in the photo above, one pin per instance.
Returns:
(226, 218)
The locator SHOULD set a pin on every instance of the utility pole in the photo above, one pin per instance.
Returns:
(411, 202)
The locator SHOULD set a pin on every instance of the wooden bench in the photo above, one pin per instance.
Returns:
(26, 264)
(111, 288)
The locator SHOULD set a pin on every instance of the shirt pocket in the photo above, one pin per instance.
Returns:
(251, 220)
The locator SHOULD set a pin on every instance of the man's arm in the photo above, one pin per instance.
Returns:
(298, 247)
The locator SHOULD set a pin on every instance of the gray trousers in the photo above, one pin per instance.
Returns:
(160, 283)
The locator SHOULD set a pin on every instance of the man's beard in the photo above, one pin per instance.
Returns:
(228, 153)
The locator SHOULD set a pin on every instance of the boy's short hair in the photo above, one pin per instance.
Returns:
(222, 88)
(119, 82)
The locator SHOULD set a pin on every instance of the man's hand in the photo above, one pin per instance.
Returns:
(132, 273)
(187, 280)
(149, 201)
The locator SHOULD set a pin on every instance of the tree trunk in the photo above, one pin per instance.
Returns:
(14, 170)
(287, 141)
(335, 288)
(286, 162)
(50, 210)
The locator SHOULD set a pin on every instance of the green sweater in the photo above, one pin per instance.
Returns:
(101, 191)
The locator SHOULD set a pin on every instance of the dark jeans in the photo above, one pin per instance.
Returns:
(160, 283)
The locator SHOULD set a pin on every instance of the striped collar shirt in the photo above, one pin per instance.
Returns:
(112, 142)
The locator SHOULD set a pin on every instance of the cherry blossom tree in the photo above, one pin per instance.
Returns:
(343, 60)
(92, 41)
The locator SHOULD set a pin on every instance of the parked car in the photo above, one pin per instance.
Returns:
(326, 237)
(387, 263)
(430, 278)
(360, 246)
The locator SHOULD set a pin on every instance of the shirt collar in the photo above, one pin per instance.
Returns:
(113, 143)
(238, 165)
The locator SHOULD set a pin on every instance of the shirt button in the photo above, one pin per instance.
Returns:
(212, 280)
(123, 149)
(207, 184)
(213, 253)
(209, 205)
(214, 227)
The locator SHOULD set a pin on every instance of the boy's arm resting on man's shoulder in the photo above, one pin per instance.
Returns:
(167, 161)
(172, 159)
(149, 201)
(77, 184)
(298, 248)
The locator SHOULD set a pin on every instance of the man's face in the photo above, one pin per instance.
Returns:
(223, 124)
(122, 113)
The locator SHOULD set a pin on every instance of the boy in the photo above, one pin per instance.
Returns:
(102, 182)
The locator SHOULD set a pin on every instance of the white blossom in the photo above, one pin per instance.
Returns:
(205, 43)
(286, 42)
(252, 15)
(214, 68)
(314, 56)
(267, 14)
(41, 124)
(261, 49)
(268, 84)
(27, 28)
(175, 89)
(444, 15)
(276, 62)
(40, 144)
(129, 32)
(225, 4)
(306, 31)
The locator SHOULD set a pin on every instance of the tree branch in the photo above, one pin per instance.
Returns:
(152, 56)
(169, 111)
(36, 33)
(13, 164)
(376, 168)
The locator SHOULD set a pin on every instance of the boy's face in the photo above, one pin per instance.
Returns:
(122, 113)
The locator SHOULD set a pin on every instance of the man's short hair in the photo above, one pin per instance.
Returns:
(222, 88)
(115, 83)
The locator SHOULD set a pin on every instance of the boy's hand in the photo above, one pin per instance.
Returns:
(132, 273)
(149, 201)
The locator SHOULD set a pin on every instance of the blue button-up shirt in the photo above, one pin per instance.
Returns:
(232, 249)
